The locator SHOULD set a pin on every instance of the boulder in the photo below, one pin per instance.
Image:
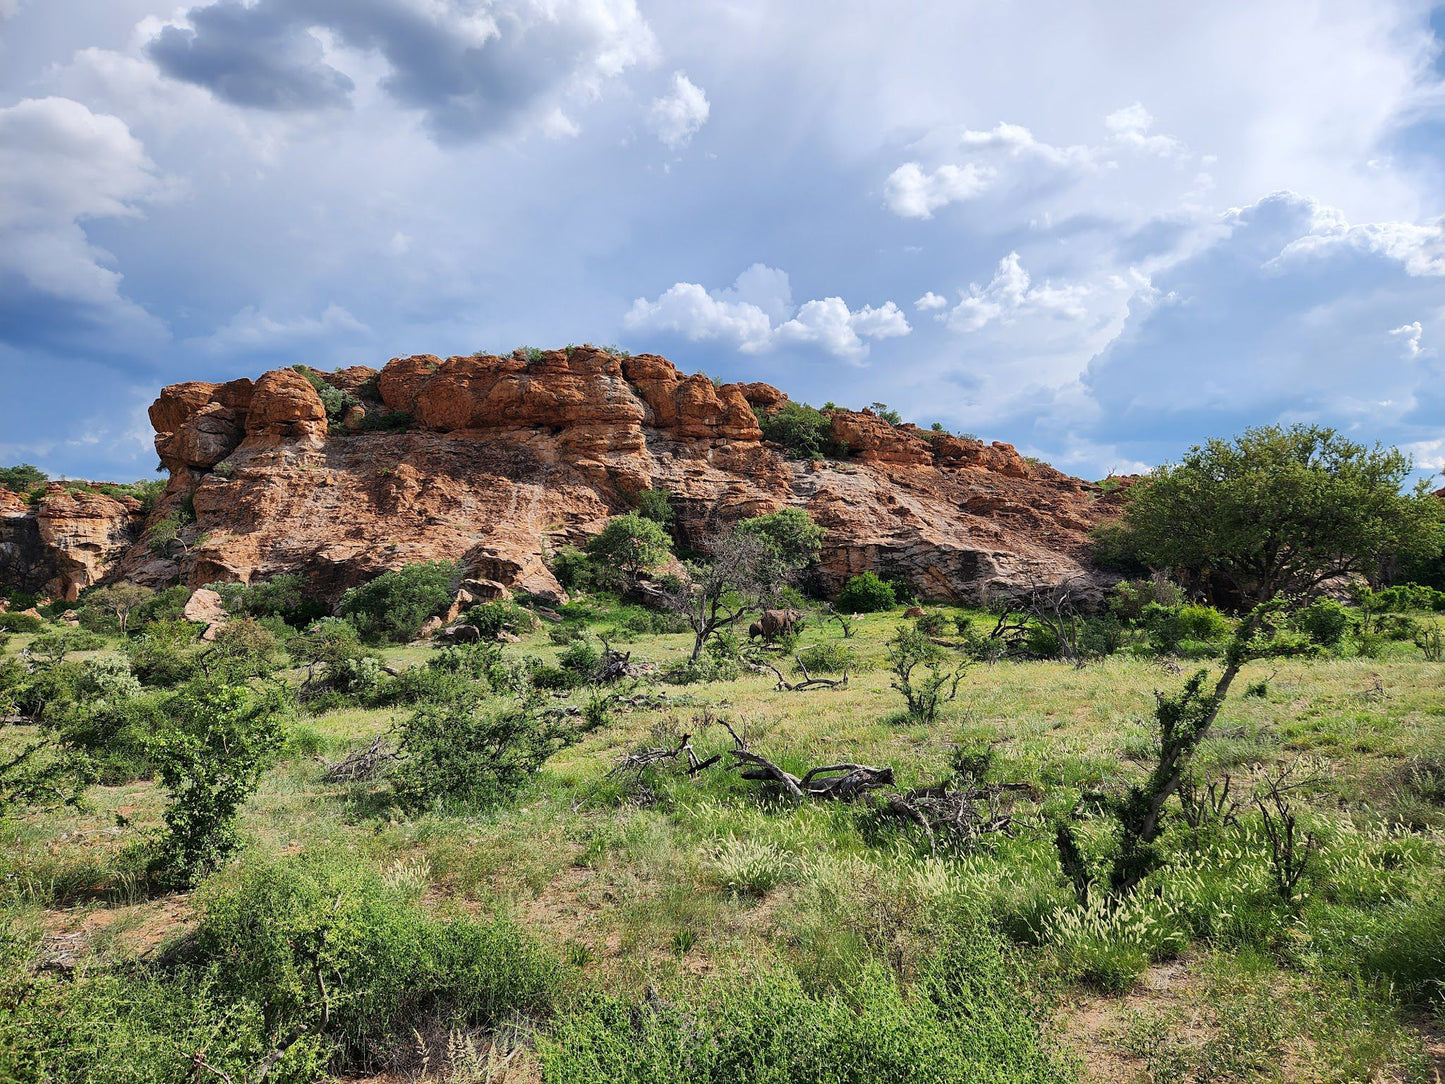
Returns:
(205, 608)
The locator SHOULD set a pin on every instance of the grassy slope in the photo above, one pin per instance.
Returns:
(633, 884)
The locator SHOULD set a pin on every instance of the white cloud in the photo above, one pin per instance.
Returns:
(63, 166)
(1008, 158)
(913, 192)
(931, 301)
(676, 117)
(1011, 294)
(1130, 127)
(251, 330)
(1409, 335)
(745, 314)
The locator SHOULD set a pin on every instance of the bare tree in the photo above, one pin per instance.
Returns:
(743, 577)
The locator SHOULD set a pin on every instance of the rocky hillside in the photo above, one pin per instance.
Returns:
(499, 461)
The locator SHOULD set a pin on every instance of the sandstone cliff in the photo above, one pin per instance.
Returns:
(506, 459)
(66, 542)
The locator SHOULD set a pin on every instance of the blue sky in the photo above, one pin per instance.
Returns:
(1102, 231)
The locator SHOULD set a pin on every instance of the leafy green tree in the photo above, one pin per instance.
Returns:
(792, 534)
(656, 505)
(120, 599)
(865, 593)
(41, 773)
(923, 673)
(23, 478)
(395, 605)
(744, 575)
(632, 543)
(464, 752)
(1280, 511)
(806, 432)
(210, 761)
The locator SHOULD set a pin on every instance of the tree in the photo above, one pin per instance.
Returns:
(395, 605)
(656, 505)
(792, 534)
(209, 763)
(935, 685)
(23, 478)
(744, 576)
(120, 599)
(1280, 511)
(865, 594)
(632, 543)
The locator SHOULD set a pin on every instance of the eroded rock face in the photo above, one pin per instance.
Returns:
(82, 535)
(509, 458)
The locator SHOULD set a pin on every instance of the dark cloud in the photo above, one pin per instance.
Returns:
(470, 69)
(261, 56)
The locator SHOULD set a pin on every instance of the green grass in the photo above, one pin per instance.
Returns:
(733, 905)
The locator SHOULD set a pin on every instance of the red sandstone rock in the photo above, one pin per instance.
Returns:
(84, 533)
(510, 458)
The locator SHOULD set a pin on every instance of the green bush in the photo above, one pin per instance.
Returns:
(631, 543)
(389, 966)
(791, 534)
(1324, 621)
(581, 660)
(209, 761)
(931, 622)
(496, 617)
(164, 655)
(829, 657)
(336, 401)
(806, 433)
(13, 621)
(394, 606)
(23, 478)
(1168, 626)
(470, 754)
(965, 1021)
(865, 594)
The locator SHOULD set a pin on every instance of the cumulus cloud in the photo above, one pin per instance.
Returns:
(913, 192)
(1281, 318)
(1409, 335)
(676, 117)
(1011, 294)
(1009, 156)
(470, 70)
(63, 166)
(931, 302)
(756, 314)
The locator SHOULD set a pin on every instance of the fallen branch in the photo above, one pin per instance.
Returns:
(834, 781)
(808, 682)
(959, 816)
(646, 758)
(359, 765)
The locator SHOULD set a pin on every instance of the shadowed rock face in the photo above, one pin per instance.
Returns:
(65, 543)
(508, 459)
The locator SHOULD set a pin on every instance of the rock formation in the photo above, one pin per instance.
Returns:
(66, 542)
(507, 459)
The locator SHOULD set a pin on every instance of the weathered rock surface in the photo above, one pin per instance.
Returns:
(510, 458)
(66, 542)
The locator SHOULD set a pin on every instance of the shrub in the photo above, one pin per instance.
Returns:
(496, 617)
(395, 605)
(462, 753)
(581, 660)
(569, 632)
(243, 648)
(805, 432)
(209, 761)
(655, 504)
(1324, 621)
(790, 532)
(966, 1020)
(631, 543)
(23, 478)
(163, 654)
(1169, 625)
(14, 621)
(1129, 598)
(927, 689)
(865, 594)
(390, 968)
(931, 623)
(829, 657)
(707, 667)
(336, 401)
(572, 568)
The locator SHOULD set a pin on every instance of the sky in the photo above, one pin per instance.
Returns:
(1101, 231)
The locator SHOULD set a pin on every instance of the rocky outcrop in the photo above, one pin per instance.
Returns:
(68, 541)
(507, 459)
